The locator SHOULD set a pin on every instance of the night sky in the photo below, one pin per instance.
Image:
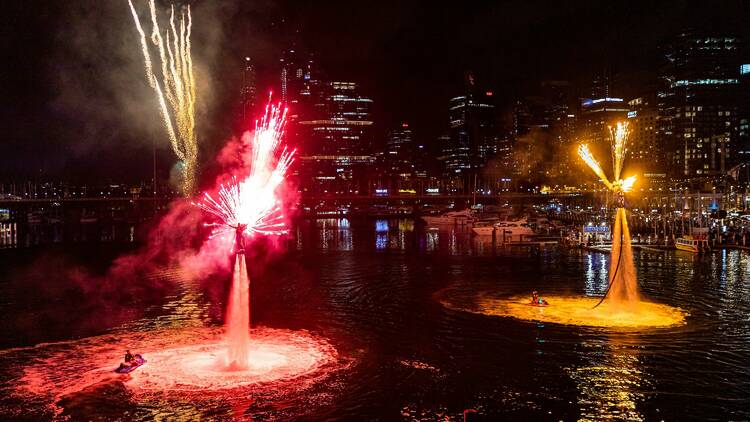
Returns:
(76, 105)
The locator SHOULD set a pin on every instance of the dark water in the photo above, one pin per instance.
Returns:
(371, 289)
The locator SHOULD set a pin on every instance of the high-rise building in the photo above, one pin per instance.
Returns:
(249, 90)
(644, 150)
(421, 160)
(404, 163)
(399, 151)
(336, 137)
(399, 140)
(598, 115)
(602, 85)
(599, 112)
(543, 129)
(473, 137)
(699, 104)
(455, 157)
(291, 76)
(743, 135)
(302, 84)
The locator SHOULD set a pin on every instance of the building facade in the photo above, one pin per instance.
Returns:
(699, 104)
(644, 150)
(472, 132)
(336, 132)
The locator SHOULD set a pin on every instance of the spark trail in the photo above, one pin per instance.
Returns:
(250, 207)
(588, 158)
(176, 91)
(252, 204)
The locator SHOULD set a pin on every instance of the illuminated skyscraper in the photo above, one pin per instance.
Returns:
(399, 140)
(291, 76)
(699, 104)
(336, 137)
(644, 151)
(399, 151)
(597, 115)
(473, 136)
(249, 91)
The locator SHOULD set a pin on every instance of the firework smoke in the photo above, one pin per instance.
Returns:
(176, 91)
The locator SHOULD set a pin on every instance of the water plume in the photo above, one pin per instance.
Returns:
(623, 290)
(246, 208)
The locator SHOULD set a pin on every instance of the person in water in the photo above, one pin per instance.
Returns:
(536, 300)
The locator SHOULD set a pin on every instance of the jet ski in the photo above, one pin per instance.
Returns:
(126, 369)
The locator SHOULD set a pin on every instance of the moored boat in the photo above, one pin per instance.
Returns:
(691, 244)
(451, 217)
(484, 228)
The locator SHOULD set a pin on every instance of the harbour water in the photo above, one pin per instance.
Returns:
(371, 289)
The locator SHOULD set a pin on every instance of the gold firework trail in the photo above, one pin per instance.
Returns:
(619, 134)
(588, 158)
(176, 91)
(619, 146)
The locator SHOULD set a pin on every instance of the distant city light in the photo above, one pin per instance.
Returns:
(599, 100)
(684, 82)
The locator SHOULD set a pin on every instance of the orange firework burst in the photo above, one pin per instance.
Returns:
(620, 134)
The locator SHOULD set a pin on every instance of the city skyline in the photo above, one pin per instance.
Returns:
(69, 142)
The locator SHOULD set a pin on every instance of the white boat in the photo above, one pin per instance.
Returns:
(451, 217)
(484, 228)
(513, 230)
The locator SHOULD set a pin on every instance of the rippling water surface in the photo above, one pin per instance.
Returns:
(369, 291)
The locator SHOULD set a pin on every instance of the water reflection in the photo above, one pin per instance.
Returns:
(381, 234)
(404, 234)
(329, 234)
(186, 306)
(380, 305)
(432, 240)
(611, 381)
(596, 274)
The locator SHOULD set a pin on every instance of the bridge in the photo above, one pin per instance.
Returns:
(305, 200)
